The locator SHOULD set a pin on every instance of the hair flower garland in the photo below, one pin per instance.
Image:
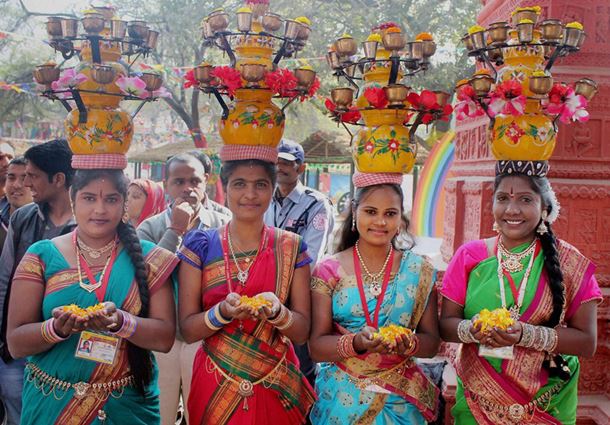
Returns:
(507, 99)
(566, 104)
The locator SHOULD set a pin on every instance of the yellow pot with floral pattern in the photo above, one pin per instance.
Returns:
(101, 100)
(526, 137)
(384, 146)
(253, 120)
(107, 131)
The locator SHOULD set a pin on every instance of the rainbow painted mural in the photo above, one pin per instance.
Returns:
(429, 204)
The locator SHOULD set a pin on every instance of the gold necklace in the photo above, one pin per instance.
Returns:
(90, 287)
(95, 253)
(511, 261)
(374, 280)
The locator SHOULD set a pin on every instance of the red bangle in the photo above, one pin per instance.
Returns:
(345, 346)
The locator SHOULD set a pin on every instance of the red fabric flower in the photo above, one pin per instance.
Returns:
(189, 79)
(558, 93)
(282, 81)
(229, 77)
(314, 87)
(376, 97)
(466, 93)
(426, 104)
(509, 89)
(352, 116)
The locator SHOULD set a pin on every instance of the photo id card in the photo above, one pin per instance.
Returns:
(97, 347)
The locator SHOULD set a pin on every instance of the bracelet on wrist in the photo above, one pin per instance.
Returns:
(129, 326)
(49, 334)
(345, 346)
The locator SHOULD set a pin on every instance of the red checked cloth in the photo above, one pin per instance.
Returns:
(372, 179)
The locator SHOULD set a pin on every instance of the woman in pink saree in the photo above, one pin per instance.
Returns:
(529, 372)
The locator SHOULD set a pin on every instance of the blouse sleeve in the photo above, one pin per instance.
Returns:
(161, 263)
(324, 277)
(194, 248)
(303, 257)
(589, 291)
(32, 267)
(455, 280)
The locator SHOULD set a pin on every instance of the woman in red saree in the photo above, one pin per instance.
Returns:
(246, 371)
(528, 373)
(145, 198)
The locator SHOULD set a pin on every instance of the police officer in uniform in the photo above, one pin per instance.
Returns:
(301, 210)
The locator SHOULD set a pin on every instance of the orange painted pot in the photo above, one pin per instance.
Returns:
(253, 120)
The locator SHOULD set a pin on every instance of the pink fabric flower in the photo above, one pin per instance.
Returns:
(162, 92)
(132, 86)
(563, 101)
(69, 78)
(507, 99)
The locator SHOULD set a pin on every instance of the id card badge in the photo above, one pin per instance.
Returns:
(97, 347)
(506, 353)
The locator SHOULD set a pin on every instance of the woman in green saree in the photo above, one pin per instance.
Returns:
(95, 368)
(529, 372)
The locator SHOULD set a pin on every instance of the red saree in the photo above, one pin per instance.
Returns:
(251, 350)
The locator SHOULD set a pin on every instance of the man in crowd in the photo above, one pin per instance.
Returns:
(17, 194)
(301, 210)
(186, 176)
(48, 174)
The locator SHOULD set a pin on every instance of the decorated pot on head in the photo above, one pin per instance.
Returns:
(523, 102)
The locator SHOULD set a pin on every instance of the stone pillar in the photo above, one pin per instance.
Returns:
(580, 175)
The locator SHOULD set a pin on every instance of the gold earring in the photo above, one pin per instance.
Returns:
(496, 227)
(542, 227)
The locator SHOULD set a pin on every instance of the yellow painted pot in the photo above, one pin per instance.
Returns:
(527, 137)
(255, 49)
(384, 146)
(106, 131)
(377, 75)
(521, 61)
(253, 120)
(101, 100)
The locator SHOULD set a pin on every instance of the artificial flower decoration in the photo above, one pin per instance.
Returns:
(376, 97)
(352, 116)
(69, 79)
(162, 92)
(315, 86)
(467, 106)
(189, 79)
(507, 99)
(536, 9)
(393, 30)
(374, 37)
(282, 81)
(566, 104)
(229, 78)
(424, 36)
(576, 25)
(303, 20)
(385, 26)
(426, 104)
(475, 28)
(389, 333)
(132, 86)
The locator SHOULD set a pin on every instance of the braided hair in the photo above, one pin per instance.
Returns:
(140, 361)
(541, 186)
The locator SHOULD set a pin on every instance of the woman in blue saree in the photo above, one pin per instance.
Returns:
(103, 264)
(364, 380)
